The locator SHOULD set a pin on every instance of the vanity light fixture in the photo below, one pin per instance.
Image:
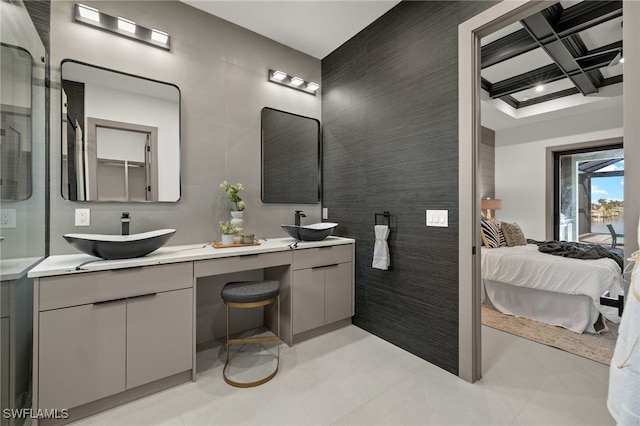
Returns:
(293, 82)
(159, 36)
(126, 25)
(91, 16)
(89, 12)
(278, 75)
(296, 81)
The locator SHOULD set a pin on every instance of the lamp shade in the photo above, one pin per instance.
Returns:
(491, 204)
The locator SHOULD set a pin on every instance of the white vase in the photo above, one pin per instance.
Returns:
(238, 221)
(227, 239)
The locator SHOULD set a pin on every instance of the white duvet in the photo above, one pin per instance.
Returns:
(525, 266)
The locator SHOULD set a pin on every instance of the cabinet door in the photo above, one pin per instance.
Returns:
(338, 292)
(307, 299)
(159, 336)
(81, 354)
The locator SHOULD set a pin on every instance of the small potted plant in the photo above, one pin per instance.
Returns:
(228, 232)
(233, 192)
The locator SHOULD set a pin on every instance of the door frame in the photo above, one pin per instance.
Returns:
(469, 35)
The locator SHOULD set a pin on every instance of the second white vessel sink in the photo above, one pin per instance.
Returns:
(120, 246)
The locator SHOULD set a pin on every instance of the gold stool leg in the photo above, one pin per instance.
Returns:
(252, 340)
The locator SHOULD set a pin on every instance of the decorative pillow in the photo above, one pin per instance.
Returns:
(513, 234)
(491, 235)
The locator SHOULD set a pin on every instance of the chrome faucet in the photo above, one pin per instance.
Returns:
(125, 219)
(299, 214)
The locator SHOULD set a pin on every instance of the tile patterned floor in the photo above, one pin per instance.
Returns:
(350, 377)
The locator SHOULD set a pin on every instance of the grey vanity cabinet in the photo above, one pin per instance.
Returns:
(322, 286)
(159, 336)
(102, 333)
(82, 354)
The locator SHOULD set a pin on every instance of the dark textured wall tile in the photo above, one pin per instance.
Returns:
(390, 120)
(352, 51)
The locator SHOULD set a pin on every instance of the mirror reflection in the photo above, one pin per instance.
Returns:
(290, 158)
(15, 116)
(120, 137)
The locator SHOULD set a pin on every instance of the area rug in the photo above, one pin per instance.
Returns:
(596, 347)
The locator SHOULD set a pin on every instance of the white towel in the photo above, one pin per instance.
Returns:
(381, 248)
(624, 372)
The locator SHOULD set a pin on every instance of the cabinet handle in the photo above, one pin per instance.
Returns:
(143, 295)
(104, 302)
(249, 255)
(325, 266)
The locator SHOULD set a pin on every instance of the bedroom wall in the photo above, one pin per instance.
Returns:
(521, 163)
(487, 163)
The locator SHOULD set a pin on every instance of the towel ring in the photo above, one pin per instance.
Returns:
(386, 216)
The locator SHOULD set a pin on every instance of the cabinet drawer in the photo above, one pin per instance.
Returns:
(321, 256)
(247, 262)
(72, 290)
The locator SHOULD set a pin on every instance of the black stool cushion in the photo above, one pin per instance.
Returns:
(250, 291)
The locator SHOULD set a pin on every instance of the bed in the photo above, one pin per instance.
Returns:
(565, 292)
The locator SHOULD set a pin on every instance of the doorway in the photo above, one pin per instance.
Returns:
(470, 33)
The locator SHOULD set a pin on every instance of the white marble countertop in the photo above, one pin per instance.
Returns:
(12, 269)
(80, 263)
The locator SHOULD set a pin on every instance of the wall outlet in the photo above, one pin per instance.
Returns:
(325, 213)
(83, 217)
(438, 218)
(8, 218)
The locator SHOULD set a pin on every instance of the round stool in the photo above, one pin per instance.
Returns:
(246, 295)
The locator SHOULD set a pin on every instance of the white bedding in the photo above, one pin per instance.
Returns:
(525, 266)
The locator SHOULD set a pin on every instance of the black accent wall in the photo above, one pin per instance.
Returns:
(390, 127)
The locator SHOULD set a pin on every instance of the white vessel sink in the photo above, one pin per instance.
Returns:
(314, 232)
(120, 246)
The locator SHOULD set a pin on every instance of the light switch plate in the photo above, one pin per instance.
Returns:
(325, 213)
(8, 218)
(439, 218)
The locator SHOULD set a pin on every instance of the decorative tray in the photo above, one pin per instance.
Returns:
(218, 244)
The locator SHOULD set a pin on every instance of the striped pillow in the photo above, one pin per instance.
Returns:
(492, 236)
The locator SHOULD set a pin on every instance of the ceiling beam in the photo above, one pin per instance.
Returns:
(543, 75)
(540, 27)
(587, 14)
(548, 97)
(507, 47)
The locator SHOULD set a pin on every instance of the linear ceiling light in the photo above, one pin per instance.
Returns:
(293, 82)
(125, 27)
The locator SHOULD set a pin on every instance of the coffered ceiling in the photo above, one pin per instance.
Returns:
(566, 56)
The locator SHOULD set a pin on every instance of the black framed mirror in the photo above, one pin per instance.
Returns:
(120, 136)
(291, 154)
